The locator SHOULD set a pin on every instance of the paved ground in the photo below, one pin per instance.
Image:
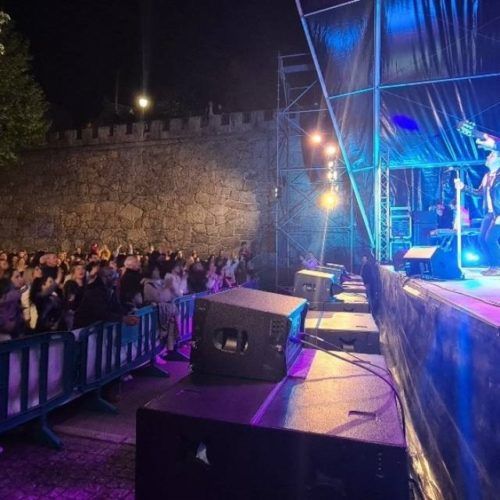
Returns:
(98, 458)
(84, 469)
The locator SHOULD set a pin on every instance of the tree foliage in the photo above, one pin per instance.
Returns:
(22, 103)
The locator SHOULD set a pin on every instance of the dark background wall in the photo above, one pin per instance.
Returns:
(190, 184)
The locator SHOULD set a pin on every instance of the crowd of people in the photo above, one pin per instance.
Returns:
(45, 291)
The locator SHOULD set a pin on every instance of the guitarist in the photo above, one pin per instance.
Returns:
(489, 189)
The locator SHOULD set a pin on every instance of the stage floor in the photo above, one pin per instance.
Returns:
(477, 295)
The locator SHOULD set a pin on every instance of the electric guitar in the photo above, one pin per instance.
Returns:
(469, 129)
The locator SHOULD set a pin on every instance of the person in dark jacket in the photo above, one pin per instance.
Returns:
(73, 294)
(11, 320)
(370, 273)
(46, 295)
(99, 302)
(130, 284)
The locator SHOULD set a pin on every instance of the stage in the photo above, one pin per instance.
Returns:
(476, 295)
(441, 341)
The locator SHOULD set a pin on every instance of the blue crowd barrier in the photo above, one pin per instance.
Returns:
(36, 376)
(45, 371)
(185, 313)
(109, 350)
(42, 372)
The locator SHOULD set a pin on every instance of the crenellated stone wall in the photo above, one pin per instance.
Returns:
(191, 184)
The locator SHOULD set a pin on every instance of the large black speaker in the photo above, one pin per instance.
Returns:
(316, 286)
(423, 223)
(247, 333)
(431, 262)
(329, 431)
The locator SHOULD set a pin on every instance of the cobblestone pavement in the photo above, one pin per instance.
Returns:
(84, 469)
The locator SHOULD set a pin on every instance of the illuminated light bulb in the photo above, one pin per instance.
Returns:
(316, 138)
(330, 149)
(143, 102)
(328, 200)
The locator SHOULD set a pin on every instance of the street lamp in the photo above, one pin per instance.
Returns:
(143, 102)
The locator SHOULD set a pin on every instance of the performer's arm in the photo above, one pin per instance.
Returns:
(469, 189)
(475, 191)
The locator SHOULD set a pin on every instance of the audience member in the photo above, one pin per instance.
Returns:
(73, 291)
(99, 302)
(130, 284)
(49, 265)
(11, 321)
(45, 296)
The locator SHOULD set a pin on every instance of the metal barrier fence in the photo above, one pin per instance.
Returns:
(185, 313)
(45, 371)
(36, 375)
(109, 350)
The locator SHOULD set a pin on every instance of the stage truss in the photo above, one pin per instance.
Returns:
(446, 70)
(302, 225)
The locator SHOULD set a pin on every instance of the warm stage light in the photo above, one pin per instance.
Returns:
(316, 138)
(328, 200)
(331, 164)
(330, 149)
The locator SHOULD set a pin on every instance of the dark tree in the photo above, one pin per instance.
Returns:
(22, 103)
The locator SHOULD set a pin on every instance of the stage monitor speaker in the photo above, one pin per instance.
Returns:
(247, 333)
(329, 431)
(344, 331)
(431, 262)
(315, 286)
(343, 302)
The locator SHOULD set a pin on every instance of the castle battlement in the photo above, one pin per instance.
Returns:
(164, 129)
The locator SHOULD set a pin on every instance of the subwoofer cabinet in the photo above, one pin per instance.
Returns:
(330, 430)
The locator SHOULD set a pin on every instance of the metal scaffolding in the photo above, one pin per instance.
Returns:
(302, 176)
(372, 181)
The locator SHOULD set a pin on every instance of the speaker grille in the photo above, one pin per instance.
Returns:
(278, 329)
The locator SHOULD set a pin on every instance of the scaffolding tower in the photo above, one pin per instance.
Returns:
(303, 175)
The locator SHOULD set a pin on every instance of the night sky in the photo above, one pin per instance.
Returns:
(187, 52)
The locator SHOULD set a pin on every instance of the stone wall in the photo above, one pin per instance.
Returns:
(202, 184)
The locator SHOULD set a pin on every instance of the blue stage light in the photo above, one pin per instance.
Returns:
(405, 122)
(471, 257)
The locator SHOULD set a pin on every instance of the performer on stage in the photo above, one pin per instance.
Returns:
(489, 189)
